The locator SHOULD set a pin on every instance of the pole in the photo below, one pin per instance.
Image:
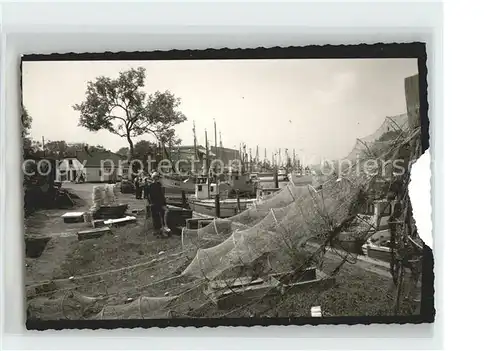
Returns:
(217, 205)
(184, 199)
(194, 140)
(215, 145)
(251, 162)
(244, 158)
(276, 183)
(238, 200)
(207, 165)
(216, 157)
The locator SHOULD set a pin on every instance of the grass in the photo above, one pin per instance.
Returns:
(127, 246)
(357, 292)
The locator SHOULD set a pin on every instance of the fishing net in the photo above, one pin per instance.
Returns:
(280, 233)
(371, 145)
(140, 308)
(220, 229)
(209, 235)
(309, 213)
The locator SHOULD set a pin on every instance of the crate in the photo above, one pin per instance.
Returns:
(73, 217)
(93, 233)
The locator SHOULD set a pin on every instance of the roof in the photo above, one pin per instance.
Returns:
(93, 159)
(190, 148)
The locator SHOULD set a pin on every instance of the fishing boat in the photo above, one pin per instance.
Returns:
(176, 184)
(298, 178)
(377, 214)
(264, 177)
(233, 187)
(203, 201)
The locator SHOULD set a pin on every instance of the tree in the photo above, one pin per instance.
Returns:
(144, 148)
(123, 151)
(26, 121)
(58, 147)
(29, 145)
(119, 106)
(97, 148)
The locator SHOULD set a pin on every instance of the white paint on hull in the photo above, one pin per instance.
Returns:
(173, 186)
(228, 207)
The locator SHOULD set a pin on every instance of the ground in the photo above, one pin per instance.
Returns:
(132, 262)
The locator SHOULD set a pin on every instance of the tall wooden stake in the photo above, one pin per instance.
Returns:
(216, 157)
(207, 164)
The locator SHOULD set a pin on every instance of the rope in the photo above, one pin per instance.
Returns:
(215, 227)
(275, 220)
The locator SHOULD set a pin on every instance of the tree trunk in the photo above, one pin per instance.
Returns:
(130, 154)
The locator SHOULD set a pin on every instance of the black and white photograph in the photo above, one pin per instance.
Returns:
(224, 187)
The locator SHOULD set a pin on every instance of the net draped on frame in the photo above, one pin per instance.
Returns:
(281, 232)
(221, 228)
(391, 128)
(307, 213)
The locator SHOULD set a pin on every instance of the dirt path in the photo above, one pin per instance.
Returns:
(48, 223)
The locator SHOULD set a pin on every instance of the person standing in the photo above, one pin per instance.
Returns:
(138, 189)
(158, 204)
(147, 183)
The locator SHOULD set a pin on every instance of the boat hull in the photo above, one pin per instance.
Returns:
(300, 180)
(227, 208)
(176, 187)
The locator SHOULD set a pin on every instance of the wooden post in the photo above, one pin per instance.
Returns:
(217, 205)
(184, 199)
(238, 200)
(412, 101)
(276, 183)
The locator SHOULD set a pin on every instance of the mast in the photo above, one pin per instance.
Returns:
(178, 154)
(216, 157)
(279, 157)
(287, 160)
(194, 140)
(245, 158)
(220, 139)
(251, 161)
(257, 156)
(207, 165)
(215, 144)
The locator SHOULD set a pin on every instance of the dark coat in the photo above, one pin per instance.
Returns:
(156, 196)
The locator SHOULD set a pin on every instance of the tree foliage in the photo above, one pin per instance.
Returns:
(121, 107)
(144, 148)
(123, 151)
(60, 148)
(26, 121)
(29, 145)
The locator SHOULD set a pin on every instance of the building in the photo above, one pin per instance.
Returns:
(225, 154)
(95, 167)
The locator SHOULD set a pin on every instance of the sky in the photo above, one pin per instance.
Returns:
(319, 107)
